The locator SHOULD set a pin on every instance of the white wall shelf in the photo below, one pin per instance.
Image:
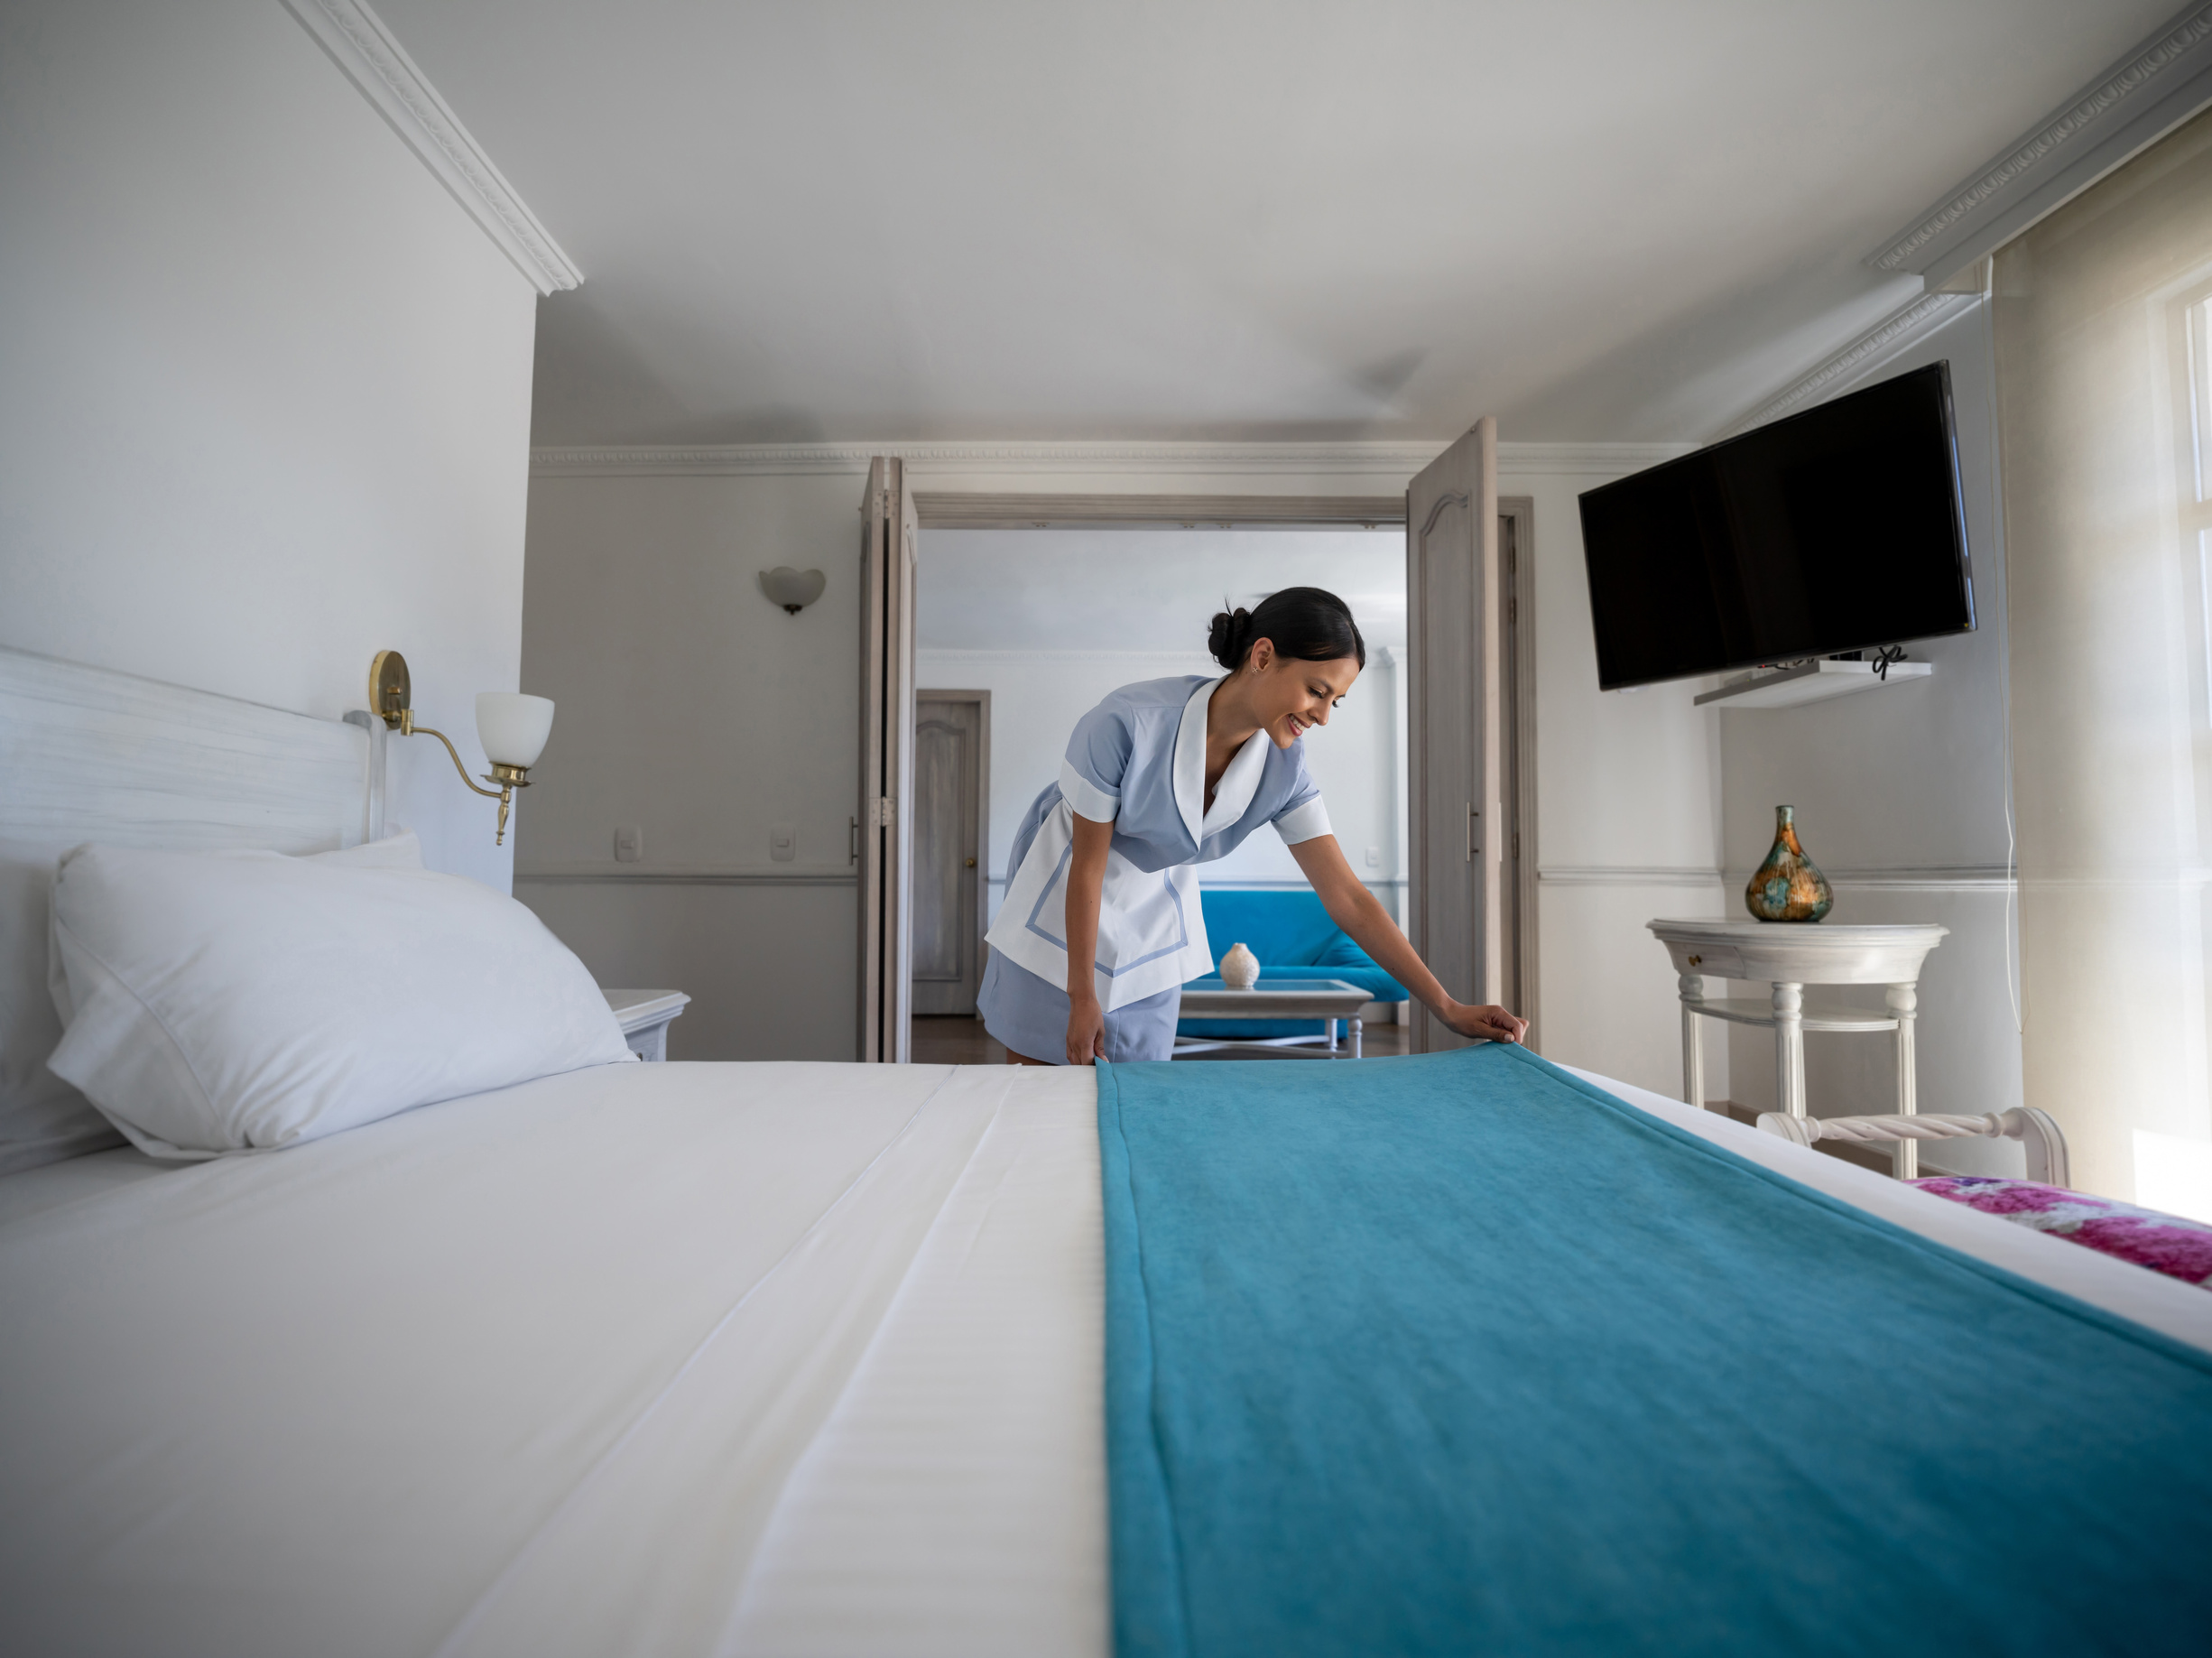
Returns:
(1815, 681)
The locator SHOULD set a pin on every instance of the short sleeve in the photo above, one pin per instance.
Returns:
(1303, 816)
(1097, 760)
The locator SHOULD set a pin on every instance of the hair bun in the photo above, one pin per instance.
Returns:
(1227, 634)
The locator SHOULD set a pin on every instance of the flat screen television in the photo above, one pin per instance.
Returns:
(1834, 530)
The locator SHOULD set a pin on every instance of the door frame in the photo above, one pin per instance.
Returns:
(982, 698)
(969, 509)
(1517, 516)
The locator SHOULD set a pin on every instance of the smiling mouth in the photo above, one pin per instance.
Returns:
(1298, 727)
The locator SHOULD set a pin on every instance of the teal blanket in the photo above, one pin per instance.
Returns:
(1457, 1354)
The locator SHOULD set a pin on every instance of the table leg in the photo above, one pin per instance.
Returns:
(1790, 1046)
(1355, 1036)
(1904, 1002)
(1692, 986)
(1331, 1025)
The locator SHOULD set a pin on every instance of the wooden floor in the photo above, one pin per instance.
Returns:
(958, 1040)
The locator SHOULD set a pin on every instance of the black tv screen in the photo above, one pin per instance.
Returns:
(1835, 531)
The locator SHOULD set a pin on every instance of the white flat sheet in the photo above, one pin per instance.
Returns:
(684, 1359)
(530, 1373)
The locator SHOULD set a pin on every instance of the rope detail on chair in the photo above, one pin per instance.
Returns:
(1868, 1129)
(2047, 1158)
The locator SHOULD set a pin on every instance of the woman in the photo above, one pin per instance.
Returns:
(1158, 778)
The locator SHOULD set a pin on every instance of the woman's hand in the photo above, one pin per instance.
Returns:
(1485, 1024)
(1086, 1031)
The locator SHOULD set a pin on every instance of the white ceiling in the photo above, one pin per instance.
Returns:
(1140, 589)
(1001, 218)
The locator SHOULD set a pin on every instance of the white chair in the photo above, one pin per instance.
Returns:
(2045, 1145)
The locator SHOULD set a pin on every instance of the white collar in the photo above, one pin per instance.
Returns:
(1232, 794)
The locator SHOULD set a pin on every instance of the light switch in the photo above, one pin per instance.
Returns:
(629, 844)
(1374, 857)
(783, 842)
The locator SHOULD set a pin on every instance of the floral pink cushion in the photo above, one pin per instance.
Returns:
(2164, 1243)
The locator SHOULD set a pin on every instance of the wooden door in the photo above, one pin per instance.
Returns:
(951, 762)
(890, 532)
(1456, 782)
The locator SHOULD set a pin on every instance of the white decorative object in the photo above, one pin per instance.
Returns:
(247, 1001)
(794, 589)
(645, 1016)
(1789, 957)
(1240, 968)
(2035, 1130)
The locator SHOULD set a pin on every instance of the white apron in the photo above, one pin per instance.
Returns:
(1152, 933)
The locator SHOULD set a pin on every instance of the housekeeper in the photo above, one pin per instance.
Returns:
(1160, 778)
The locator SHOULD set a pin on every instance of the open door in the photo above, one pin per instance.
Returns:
(1455, 792)
(890, 534)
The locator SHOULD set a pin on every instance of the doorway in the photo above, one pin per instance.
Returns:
(952, 816)
(1481, 743)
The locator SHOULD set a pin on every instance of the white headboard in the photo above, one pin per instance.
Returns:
(87, 754)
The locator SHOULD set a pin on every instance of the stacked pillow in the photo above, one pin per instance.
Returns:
(42, 1119)
(215, 1003)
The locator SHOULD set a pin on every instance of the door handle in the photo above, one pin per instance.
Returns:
(971, 863)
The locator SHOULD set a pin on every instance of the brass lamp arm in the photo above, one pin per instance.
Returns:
(409, 728)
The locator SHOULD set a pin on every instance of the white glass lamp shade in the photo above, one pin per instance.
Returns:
(794, 589)
(513, 727)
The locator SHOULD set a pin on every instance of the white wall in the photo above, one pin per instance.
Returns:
(1038, 695)
(1628, 808)
(694, 709)
(1901, 798)
(264, 386)
(698, 711)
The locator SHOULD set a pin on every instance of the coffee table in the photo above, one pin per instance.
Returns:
(1328, 999)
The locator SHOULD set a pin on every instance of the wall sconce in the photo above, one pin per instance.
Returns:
(794, 589)
(511, 728)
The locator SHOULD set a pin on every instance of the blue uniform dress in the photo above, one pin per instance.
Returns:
(1136, 761)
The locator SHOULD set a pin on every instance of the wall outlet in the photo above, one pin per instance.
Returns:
(783, 842)
(1374, 857)
(629, 844)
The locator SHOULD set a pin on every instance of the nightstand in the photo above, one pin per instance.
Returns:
(645, 1016)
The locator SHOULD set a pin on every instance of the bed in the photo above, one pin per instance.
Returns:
(693, 1358)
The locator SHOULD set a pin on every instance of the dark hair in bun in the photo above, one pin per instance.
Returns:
(1309, 624)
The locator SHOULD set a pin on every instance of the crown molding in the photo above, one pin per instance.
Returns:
(361, 45)
(2134, 103)
(1397, 460)
(1888, 339)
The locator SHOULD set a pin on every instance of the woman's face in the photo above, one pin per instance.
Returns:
(1290, 696)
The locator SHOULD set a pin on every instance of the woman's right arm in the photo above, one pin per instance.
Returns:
(1087, 867)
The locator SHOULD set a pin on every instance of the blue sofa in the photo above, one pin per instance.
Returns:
(1293, 938)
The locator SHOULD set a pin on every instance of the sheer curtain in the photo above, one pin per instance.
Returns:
(2104, 415)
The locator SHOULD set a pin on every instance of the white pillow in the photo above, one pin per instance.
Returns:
(232, 1002)
(42, 1119)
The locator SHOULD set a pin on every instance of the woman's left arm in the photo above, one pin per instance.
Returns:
(1354, 907)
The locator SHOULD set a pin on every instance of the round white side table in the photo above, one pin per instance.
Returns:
(1789, 955)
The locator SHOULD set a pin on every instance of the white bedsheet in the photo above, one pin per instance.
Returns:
(533, 1372)
(647, 1359)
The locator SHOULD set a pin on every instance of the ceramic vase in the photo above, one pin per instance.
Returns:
(1788, 887)
(1240, 968)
